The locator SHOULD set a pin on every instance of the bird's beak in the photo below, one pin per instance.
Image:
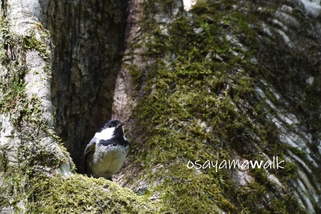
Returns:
(120, 125)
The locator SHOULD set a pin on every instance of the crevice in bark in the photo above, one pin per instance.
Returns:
(88, 38)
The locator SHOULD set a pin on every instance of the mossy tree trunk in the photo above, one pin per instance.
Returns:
(58, 59)
(229, 80)
(29, 146)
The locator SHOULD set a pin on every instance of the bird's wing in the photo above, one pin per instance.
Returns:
(90, 146)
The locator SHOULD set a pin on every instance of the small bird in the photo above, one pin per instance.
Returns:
(105, 154)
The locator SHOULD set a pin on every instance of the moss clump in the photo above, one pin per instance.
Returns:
(32, 191)
(78, 194)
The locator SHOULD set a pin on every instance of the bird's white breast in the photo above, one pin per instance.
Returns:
(107, 160)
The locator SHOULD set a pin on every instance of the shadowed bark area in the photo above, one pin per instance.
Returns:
(88, 38)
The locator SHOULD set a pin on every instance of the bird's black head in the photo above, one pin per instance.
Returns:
(118, 132)
(111, 124)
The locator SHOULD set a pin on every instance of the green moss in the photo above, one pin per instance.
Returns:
(197, 106)
(79, 194)
(13, 57)
(41, 193)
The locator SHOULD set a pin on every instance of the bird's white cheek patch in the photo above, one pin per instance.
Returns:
(105, 134)
(124, 133)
